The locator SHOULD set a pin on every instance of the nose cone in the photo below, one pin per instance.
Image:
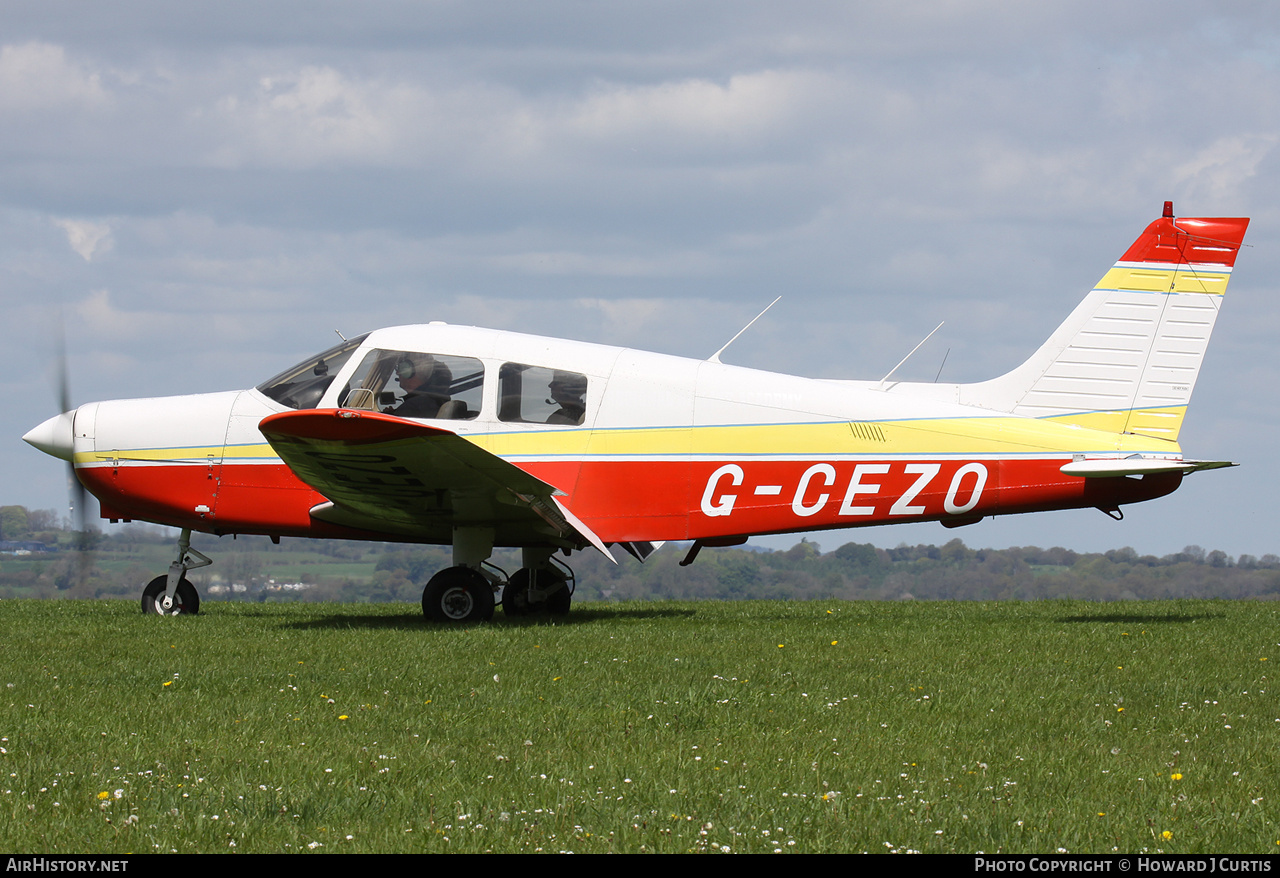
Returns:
(55, 436)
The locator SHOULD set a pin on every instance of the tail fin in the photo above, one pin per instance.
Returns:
(1126, 359)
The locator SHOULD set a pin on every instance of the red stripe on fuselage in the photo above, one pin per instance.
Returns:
(650, 500)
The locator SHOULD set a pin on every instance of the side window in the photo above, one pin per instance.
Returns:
(538, 395)
(411, 384)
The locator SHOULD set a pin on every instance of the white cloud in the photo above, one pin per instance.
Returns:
(648, 264)
(36, 76)
(1219, 172)
(87, 238)
(311, 117)
(749, 105)
(107, 321)
(323, 115)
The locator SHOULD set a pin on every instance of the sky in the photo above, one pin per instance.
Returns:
(200, 195)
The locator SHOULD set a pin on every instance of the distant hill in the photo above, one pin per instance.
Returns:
(253, 569)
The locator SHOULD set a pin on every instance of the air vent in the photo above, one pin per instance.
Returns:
(867, 432)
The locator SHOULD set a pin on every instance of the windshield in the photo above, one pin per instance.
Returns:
(301, 386)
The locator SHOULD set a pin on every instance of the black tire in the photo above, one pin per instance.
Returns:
(515, 597)
(458, 594)
(558, 602)
(186, 600)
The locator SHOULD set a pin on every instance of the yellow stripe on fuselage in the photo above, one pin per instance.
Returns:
(940, 436)
(943, 436)
(198, 455)
(1160, 423)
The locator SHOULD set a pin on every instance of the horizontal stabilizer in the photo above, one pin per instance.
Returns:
(1137, 465)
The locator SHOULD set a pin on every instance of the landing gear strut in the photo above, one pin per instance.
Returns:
(172, 594)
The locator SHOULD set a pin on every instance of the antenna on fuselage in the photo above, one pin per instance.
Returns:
(940, 365)
(340, 335)
(715, 358)
(908, 356)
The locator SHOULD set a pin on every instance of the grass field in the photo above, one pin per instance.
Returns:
(743, 727)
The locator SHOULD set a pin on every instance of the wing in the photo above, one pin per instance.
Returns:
(401, 478)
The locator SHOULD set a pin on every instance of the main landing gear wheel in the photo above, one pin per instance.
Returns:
(516, 598)
(186, 600)
(458, 594)
(515, 595)
(558, 602)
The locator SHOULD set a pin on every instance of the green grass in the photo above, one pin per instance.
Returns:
(665, 727)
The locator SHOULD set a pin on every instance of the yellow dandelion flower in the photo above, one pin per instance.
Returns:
(781, 645)
(834, 642)
(1119, 710)
(168, 682)
(103, 796)
(1166, 835)
(1176, 776)
(344, 716)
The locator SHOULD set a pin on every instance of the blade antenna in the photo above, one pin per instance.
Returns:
(715, 358)
(908, 356)
(940, 365)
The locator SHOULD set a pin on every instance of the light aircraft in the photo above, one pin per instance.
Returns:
(478, 438)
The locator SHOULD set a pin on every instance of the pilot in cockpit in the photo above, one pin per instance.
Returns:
(568, 391)
(426, 383)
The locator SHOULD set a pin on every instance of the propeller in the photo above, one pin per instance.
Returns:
(56, 436)
(78, 496)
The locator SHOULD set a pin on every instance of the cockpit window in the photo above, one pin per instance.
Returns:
(412, 384)
(538, 395)
(302, 386)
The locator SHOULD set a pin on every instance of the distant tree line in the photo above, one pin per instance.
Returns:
(252, 568)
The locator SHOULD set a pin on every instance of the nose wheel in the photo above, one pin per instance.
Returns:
(173, 594)
(185, 601)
